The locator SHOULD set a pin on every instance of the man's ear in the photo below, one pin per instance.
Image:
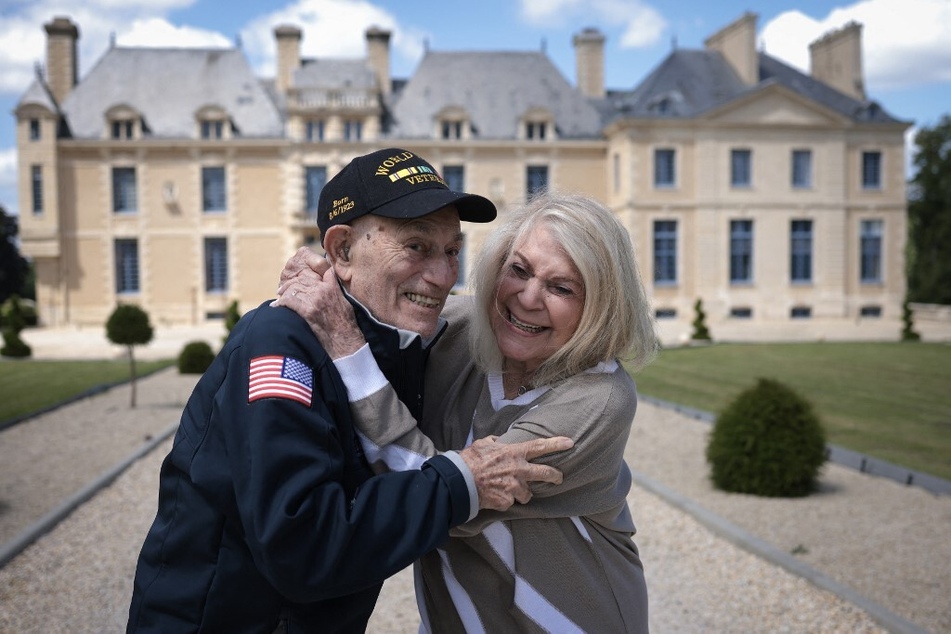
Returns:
(337, 242)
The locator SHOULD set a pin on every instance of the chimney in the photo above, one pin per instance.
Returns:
(836, 60)
(378, 55)
(737, 43)
(589, 62)
(61, 58)
(288, 54)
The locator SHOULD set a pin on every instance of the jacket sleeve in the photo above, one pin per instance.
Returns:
(289, 463)
(388, 431)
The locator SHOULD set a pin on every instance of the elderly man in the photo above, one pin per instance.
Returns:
(269, 516)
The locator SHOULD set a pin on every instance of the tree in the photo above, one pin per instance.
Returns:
(929, 217)
(129, 326)
(13, 266)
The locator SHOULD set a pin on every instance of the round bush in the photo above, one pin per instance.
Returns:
(195, 358)
(767, 442)
(13, 345)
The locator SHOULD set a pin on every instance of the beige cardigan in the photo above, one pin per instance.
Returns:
(564, 562)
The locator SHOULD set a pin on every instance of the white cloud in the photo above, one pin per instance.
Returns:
(8, 179)
(157, 32)
(642, 25)
(897, 36)
(331, 28)
(8, 166)
(132, 22)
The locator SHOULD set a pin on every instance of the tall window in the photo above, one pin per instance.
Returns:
(537, 179)
(870, 237)
(212, 129)
(802, 168)
(315, 130)
(127, 265)
(741, 251)
(123, 190)
(36, 182)
(665, 251)
(216, 265)
(315, 177)
(871, 170)
(740, 168)
(352, 130)
(800, 250)
(664, 168)
(454, 175)
(213, 192)
(34, 129)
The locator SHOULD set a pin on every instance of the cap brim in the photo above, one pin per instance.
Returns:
(471, 207)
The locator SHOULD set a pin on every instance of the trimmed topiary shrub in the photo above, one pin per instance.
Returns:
(129, 326)
(13, 345)
(908, 332)
(700, 330)
(195, 358)
(768, 442)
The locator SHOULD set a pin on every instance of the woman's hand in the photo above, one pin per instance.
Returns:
(309, 288)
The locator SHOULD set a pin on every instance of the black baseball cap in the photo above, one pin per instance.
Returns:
(393, 183)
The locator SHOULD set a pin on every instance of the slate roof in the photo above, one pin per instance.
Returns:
(689, 83)
(335, 73)
(38, 94)
(167, 86)
(495, 89)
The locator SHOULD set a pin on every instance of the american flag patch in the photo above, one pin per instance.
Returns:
(280, 377)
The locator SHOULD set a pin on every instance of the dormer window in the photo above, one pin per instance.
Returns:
(452, 129)
(34, 129)
(123, 129)
(212, 129)
(213, 124)
(452, 124)
(123, 123)
(538, 125)
(535, 130)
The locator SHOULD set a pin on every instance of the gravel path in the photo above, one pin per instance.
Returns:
(886, 545)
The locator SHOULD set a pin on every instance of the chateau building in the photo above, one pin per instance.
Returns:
(177, 180)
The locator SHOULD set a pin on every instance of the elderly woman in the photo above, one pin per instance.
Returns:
(558, 300)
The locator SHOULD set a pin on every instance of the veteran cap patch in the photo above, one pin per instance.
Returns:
(393, 183)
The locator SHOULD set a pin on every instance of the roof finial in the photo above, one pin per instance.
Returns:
(544, 45)
(673, 42)
(112, 39)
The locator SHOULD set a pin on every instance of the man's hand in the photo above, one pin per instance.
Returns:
(309, 288)
(502, 472)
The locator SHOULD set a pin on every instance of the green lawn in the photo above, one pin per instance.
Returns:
(27, 386)
(887, 400)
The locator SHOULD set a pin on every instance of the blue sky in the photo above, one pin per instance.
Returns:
(906, 43)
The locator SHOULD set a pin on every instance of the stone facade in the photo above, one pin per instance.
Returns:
(179, 181)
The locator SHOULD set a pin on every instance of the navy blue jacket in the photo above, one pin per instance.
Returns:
(267, 508)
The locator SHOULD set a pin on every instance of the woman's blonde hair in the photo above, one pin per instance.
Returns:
(616, 321)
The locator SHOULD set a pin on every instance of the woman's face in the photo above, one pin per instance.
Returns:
(538, 303)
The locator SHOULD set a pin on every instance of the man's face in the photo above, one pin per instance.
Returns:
(403, 270)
